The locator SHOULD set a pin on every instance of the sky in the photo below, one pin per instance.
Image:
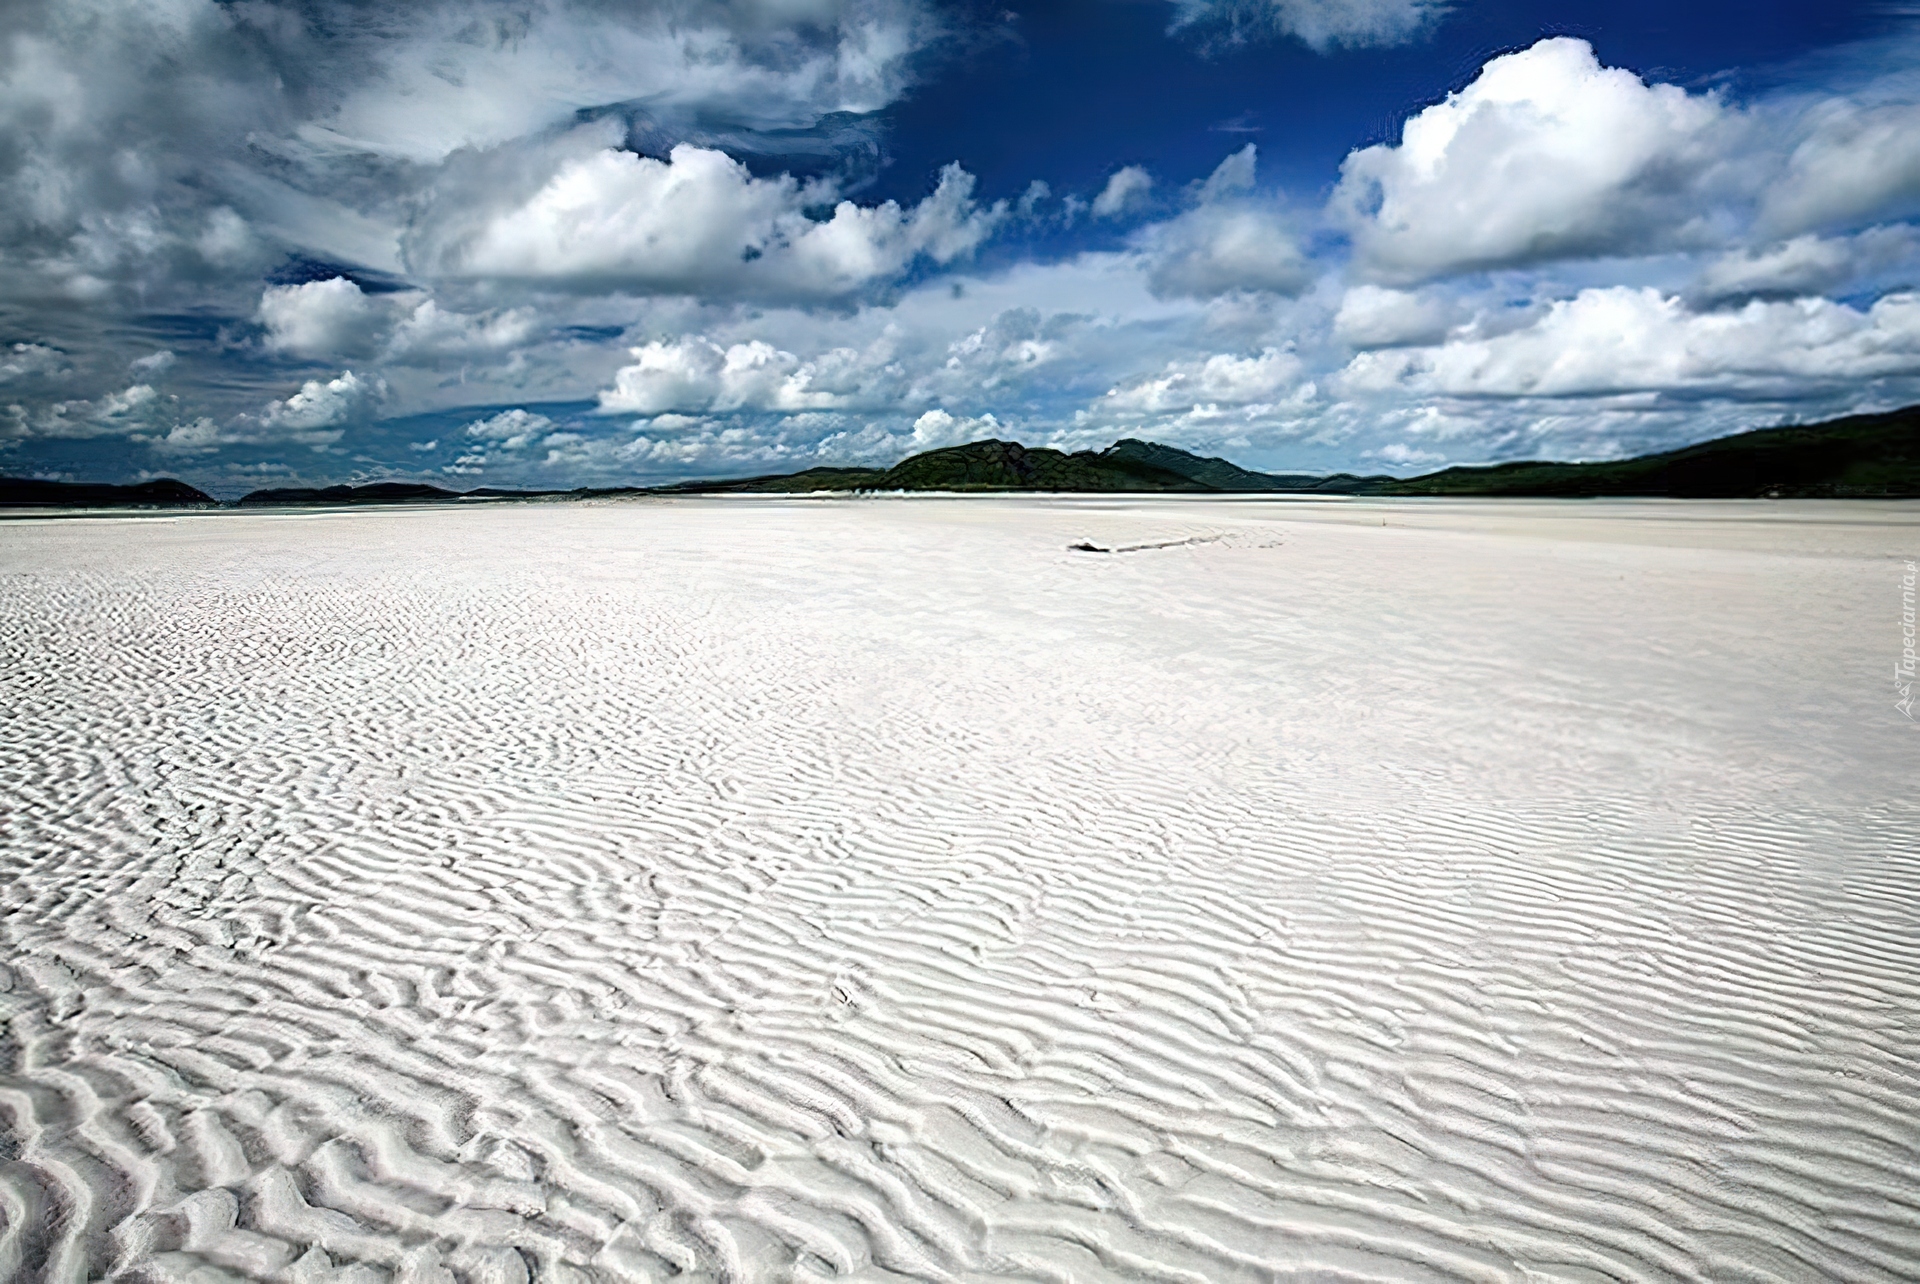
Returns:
(563, 243)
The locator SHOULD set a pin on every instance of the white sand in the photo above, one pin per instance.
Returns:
(766, 889)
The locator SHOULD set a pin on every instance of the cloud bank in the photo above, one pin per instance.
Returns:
(561, 243)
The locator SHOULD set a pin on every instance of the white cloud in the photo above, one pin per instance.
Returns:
(1854, 163)
(1005, 353)
(475, 76)
(162, 156)
(1221, 379)
(1804, 265)
(126, 404)
(132, 412)
(1231, 177)
(1319, 24)
(1807, 264)
(316, 416)
(1400, 455)
(1126, 190)
(198, 436)
(1546, 155)
(325, 404)
(510, 429)
(28, 361)
(700, 223)
(326, 318)
(154, 362)
(335, 318)
(427, 333)
(1618, 340)
(693, 373)
(1215, 250)
(1373, 317)
(1228, 242)
(937, 428)
(173, 134)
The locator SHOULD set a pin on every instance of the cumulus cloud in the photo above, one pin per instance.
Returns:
(1213, 251)
(516, 187)
(1320, 24)
(335, 318)
(1228, 242)
(133, 411)
(474, 76)
(700, 223)
(694, 373)
(1126, 190)
(1546, 155)
(938, 428)
(22, 360)
(317, 415)
(186, 137)
(1855, 162)
(1619, 340)
(1004, 353)
(126, 404)
(1399, 454)
(426, 333)
(510, 429)
(326, 318)
(103, 131)
(324, 404)
(1219, 380)
(673, 444)
(1805, 265)
(195, 437)
(1373, 317)
(163, 158)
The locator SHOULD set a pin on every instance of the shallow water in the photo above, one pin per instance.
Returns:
(877, 888)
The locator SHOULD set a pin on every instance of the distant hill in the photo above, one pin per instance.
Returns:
(812, 479)
(25, 492)
(1008, 465)
(1218, 474)
(976, 466)
(1864, 456)
(374, 493)
(1861, 456)
(415, 493)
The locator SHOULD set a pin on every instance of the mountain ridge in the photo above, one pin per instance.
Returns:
(161, 492)
(1857, 456)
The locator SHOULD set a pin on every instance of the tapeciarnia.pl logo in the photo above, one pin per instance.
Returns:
(1903, 669)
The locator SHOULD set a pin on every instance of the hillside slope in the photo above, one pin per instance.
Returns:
(1863, 456)
(164, 492)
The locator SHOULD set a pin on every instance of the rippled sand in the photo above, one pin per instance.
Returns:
(874, 888)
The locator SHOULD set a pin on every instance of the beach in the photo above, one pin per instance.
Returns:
(880, 888)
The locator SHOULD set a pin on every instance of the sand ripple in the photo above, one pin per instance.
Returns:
(883, 891)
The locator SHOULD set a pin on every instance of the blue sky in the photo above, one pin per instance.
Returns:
(572, 243)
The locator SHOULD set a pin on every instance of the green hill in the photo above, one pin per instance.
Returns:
(1866, 455)
(376, 493)
(1219, 474)
(976, 466)
(813, 479)
(1008, 465)
(26, 492)
(1862, 456)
